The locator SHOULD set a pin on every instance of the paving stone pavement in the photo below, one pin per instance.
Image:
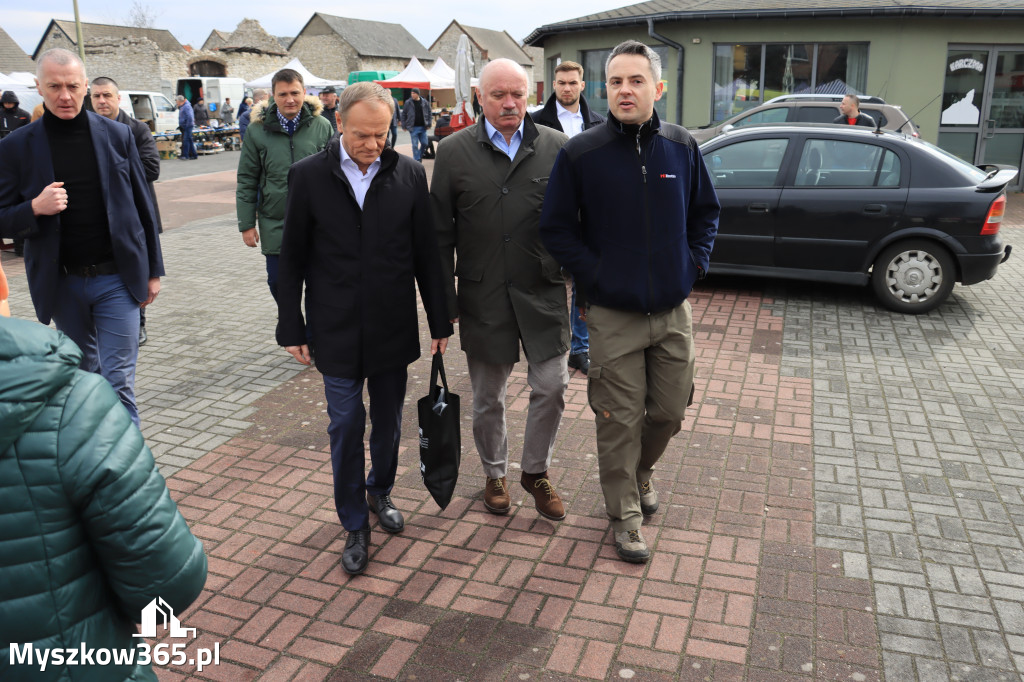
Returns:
(843, 503)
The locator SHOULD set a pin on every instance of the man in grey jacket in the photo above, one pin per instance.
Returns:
(487, 189)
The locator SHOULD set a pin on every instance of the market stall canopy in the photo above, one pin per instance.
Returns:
(415, 76)
(309, 80)
(442, 70)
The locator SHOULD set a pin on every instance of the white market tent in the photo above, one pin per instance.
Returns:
(415, 76)
(442, 70)
(310, 81)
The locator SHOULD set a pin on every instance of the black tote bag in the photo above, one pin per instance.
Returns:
(440, 437)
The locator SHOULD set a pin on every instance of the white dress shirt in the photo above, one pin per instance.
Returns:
(572, 123)
(360, 181)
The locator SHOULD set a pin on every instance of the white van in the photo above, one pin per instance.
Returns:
(152, 108)
(213, 91)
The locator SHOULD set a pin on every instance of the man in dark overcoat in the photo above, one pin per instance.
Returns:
(487, 190)
(358, 235)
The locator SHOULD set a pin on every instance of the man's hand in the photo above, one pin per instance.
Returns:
(583, 313)
(251, 237)
(154, 289)
(51, 201)
(300, 353)
(438, 345)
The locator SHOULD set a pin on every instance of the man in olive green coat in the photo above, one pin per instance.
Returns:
(280, 132)
(486, 194)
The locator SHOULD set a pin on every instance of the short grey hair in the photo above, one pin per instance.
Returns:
(364, 91)
(854, 98)
(179, 98)
(60, 56)
(636, 47)
(259, 94)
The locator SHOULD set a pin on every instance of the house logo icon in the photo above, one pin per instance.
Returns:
(160, 610)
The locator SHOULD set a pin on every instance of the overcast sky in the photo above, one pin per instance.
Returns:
(192, 20)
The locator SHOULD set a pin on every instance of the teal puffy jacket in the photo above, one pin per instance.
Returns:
(88, 533)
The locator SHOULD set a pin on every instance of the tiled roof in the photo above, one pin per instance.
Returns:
(12, 57)
(738, 9)
(497, 44)
(377, 38)
(162, 37)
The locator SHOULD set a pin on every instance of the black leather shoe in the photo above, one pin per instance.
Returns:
(580, 361)
(357, 552)
(143, 337)
(390, 518)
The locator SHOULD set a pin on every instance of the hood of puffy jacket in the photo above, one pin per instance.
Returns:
(267, 110)
(35, 363)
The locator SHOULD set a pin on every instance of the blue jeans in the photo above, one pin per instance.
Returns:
(346, 430)
(272, 261)
(99, 315)
(580, 336)
(419, 141)
(188, 146)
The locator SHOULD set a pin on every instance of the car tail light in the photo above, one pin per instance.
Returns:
(994, 219)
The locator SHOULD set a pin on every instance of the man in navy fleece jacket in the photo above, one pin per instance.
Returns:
(631, 212)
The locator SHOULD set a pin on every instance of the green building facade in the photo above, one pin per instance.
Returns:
(956, 70)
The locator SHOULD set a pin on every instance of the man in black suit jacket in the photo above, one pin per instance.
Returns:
(106, 98)
(73, 186)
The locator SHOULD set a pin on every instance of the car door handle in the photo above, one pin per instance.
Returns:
(875, 209)
(758, 208)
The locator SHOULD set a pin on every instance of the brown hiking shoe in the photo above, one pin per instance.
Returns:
(496, 497)
(648, 499)
(549, 504)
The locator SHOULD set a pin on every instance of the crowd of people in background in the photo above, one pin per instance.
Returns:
(518, 206)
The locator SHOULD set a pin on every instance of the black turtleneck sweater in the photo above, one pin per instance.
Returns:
(84, 230)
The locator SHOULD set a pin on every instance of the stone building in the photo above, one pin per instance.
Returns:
(332, 47)
(215, 40)
(12, 57)
(247, 53)
(485, 44)
(137, 58)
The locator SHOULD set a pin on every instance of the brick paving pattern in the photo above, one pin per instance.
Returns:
(843, 503)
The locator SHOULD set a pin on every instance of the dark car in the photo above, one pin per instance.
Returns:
(850, 205)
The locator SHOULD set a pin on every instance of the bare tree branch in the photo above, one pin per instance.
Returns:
(140, 15)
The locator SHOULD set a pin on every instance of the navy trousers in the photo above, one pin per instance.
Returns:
(347, 429)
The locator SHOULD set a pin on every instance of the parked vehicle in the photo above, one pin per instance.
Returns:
(848, 205)
(808, 109)
(212, 90)
(152, 108)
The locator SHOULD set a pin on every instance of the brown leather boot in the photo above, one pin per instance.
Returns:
(549, 504)
(496, 497)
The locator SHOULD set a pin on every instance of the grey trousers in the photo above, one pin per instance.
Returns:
(548, 380)
(641, 376)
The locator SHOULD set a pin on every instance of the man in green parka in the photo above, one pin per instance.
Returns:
(280, 132)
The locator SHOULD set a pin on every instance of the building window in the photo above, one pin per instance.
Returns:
(596, 90)
(746, 76)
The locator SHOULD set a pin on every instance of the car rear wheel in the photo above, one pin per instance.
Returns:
(914, 276)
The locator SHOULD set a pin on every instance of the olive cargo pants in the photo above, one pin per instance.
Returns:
(640, 383)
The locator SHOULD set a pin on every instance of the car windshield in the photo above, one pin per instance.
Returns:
(972, 172)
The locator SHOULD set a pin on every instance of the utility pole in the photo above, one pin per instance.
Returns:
(78, 34)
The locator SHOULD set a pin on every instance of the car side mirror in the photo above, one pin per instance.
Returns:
(727, 127)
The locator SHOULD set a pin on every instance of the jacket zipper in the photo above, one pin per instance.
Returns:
(647, 219)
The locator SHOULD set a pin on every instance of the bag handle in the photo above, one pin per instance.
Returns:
(437, 367)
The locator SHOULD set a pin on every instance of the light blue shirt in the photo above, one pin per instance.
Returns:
(360, 182)
(499, 140)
